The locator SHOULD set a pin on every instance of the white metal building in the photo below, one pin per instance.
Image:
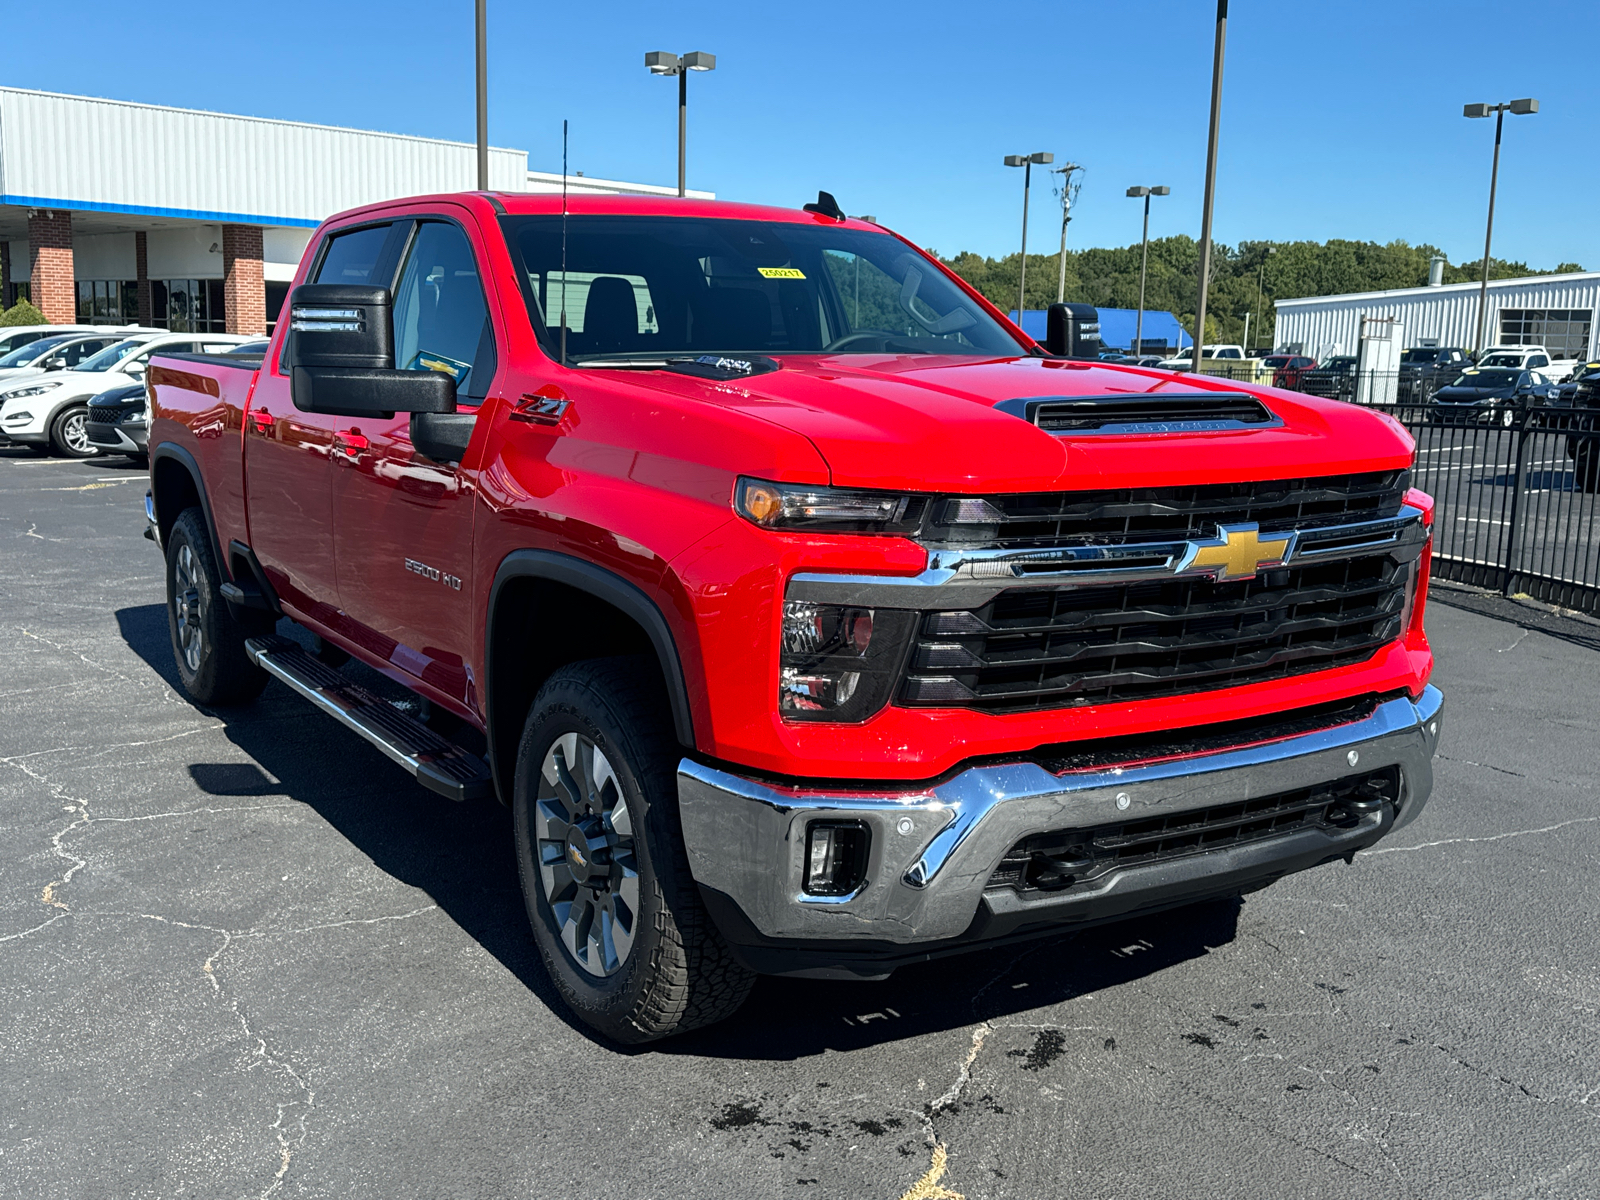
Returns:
(114, 211)
(1555, 311)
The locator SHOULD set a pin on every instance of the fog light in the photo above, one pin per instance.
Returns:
(836, 857)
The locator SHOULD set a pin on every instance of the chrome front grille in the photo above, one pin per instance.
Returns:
(1032, 648)
(1062, 600)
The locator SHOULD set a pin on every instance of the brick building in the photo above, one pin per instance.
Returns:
(119, 213)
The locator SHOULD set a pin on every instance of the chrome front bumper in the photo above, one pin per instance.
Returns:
(934, 848)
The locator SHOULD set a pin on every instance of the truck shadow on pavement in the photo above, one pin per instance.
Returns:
(461, 856)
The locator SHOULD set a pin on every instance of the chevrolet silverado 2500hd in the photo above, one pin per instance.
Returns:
(815, 620)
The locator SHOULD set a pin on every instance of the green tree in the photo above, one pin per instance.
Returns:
(1108, 277)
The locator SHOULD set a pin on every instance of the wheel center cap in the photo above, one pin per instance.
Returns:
(587, 853)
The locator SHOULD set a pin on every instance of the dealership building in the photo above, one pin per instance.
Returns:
(117, 213)
(1554, 311)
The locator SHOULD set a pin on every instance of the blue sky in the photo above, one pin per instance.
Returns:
(1337, 121)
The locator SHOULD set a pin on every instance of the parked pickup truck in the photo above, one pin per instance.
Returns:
(815, 620)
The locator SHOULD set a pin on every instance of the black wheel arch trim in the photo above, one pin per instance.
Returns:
(605, 585)
(165, 521)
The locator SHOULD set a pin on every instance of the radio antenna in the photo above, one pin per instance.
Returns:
(563, 243)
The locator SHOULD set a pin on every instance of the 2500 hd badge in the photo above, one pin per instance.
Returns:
(433, 573)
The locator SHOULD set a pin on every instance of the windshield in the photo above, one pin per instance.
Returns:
(1502, 360)
(1491, 378)
(110, 356)
(1276, 360)
(638, 287)
(1419, 356)
(26, 354)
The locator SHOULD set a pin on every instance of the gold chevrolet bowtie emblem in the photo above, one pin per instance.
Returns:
(1240, 552)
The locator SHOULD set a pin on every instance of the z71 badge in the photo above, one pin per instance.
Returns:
(450, 581)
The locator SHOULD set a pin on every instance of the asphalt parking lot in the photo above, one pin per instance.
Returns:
(242, 955)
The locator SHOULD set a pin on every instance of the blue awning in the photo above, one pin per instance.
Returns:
(1116, 327)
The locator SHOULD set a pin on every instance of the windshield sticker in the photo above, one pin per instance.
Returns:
(427, 360)
(781, 272)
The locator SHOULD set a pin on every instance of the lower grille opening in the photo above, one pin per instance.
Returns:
(1076, 858)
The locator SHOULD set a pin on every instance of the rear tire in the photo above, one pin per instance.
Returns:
(615, 912)
(207, 640)
(69, 433)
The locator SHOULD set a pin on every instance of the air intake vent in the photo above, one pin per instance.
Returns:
(1200, 413)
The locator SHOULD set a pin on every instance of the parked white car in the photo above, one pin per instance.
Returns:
(1524, 358)
(14, 337)
(49, 411)
(59, 352)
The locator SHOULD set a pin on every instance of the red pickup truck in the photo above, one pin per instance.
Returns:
(811, 617)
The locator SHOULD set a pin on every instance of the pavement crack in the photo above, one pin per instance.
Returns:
(1498, 837)
(928, 1187)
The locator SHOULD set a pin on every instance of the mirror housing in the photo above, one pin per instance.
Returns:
(1072, 331)
(380, 392)
(340, 356)
(339, 325)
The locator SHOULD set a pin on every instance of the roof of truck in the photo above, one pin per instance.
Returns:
(540, 203)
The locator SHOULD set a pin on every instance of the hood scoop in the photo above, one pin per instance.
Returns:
(1201, 412)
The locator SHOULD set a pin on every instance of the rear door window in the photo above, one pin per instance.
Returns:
(351, 257)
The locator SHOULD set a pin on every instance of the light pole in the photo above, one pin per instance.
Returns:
(1520, 108)
(1211, 180)
(662, 63)
(1069, 192)
(1261, 279)
(1025, 161)
(483, 96)
(1144, 259)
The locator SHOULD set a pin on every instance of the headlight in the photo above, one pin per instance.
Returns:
(839, 664)
(37, 389)
(843, 510)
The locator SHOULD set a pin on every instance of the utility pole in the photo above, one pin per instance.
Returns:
(1211, 180)
(1069, 193)
(483, 96)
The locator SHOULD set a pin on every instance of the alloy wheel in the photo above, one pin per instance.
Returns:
(587, 867)
(187, 606)
(75, 434)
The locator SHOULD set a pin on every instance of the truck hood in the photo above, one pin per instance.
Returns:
(920, 422)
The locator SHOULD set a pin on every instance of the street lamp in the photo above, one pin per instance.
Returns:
(1144, 258)
(662, 63)
(1521, 108)
(1025, 161)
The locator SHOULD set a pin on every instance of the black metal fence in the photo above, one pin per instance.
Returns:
(1516, 481)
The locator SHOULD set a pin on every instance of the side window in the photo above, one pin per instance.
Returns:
(76, 352)
(1539, 360)
(350, 257)
(441, 322)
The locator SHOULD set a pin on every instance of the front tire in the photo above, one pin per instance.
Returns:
(207, 640)
(69, 433)
(615, 912)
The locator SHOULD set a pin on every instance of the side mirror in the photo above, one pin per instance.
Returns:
(340, 356)
(53, 364)
(134, 368)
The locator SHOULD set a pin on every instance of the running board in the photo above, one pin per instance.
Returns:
(438, 764)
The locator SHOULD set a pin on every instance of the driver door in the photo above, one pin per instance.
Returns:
(403, 522)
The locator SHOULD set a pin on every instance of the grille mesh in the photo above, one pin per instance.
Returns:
(1056, 647)
(1123, 515)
